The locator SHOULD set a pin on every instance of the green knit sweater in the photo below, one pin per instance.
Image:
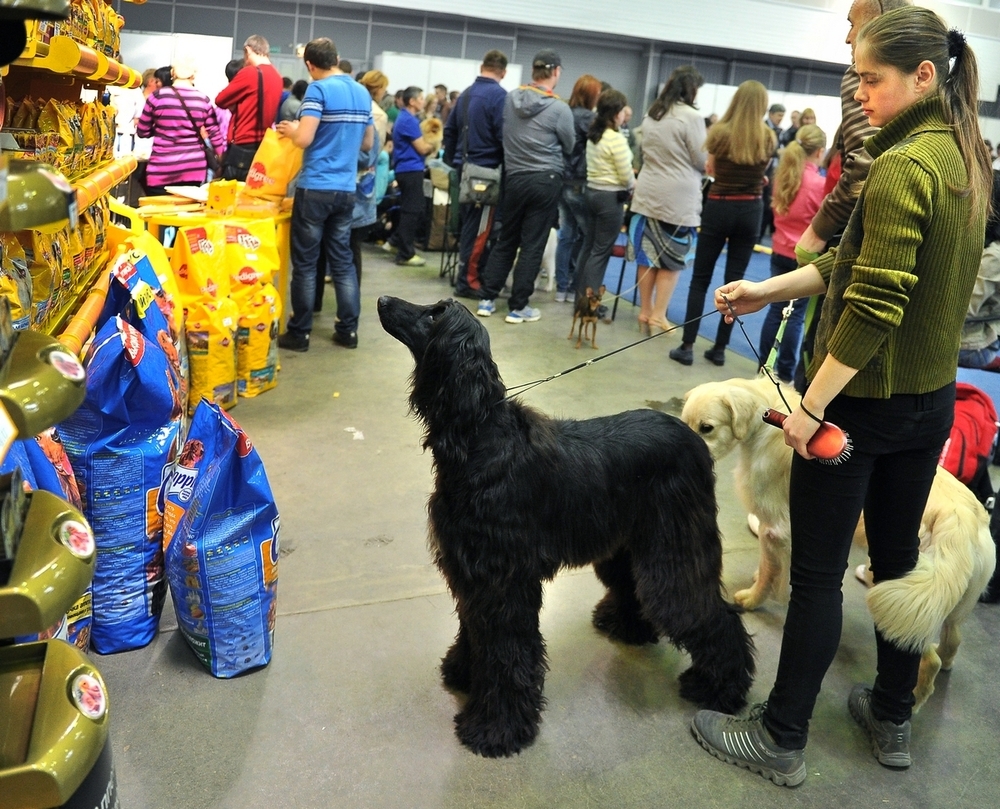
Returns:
(899, 284)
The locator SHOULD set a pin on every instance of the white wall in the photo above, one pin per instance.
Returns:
(210, 54)
(810, 29)
(426, 71)
(716, 97)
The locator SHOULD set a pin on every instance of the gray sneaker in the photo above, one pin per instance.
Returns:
(890, 742)
(747, 744)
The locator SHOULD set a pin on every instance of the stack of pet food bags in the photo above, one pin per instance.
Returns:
(44, 465)
(122, 442)
(224, 271)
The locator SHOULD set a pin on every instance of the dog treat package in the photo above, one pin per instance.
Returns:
(15, 280)
(136, 296)
(122, 441)
(251, 257)
(221, 534)
(199, 263)
(257, 343)
(44, 465)
(210, 332)
(41, 267)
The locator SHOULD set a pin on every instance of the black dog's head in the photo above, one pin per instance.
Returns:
(456, 385)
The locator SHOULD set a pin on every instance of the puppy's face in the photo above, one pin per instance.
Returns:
(413, 324)
(721, 413)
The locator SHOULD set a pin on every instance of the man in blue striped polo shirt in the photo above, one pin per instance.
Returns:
(335, 124)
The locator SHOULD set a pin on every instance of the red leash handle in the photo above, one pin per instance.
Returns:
(829, 444)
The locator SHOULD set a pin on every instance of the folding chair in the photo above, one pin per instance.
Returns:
(452, 231)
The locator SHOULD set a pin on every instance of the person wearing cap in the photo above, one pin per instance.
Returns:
(538, 137)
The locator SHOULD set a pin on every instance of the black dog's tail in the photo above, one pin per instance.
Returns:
(679, 583)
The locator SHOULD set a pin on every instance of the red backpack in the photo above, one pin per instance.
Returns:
(969, 449)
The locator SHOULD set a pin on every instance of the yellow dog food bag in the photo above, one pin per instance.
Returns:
(210, 332)
(257, 341)
(251, 257)
(199, 263)
(15, 280)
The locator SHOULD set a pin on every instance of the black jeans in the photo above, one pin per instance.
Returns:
(478, 224)
(412, 207)
(602, 224)
(896, 444)
(735, 221)
(528, 211)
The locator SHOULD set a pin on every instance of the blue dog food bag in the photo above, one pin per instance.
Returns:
(122, 441)
(221, 535)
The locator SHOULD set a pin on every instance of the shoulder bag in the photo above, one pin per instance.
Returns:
(477, 185)
(211, 158)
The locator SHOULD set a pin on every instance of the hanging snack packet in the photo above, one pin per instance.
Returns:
(15, 280)
(210, 331)
(122, 441)
(257, 341)
(221, 530)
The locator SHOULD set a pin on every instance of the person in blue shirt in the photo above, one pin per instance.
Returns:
(409, 149)
(480, 107)
(334, 126)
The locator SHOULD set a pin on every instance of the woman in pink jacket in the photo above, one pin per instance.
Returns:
(798, 193)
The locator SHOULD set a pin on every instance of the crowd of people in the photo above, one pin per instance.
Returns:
(901, 196)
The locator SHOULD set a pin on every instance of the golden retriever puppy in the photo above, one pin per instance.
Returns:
(957, 554)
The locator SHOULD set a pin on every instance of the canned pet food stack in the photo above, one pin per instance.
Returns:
(55, 749)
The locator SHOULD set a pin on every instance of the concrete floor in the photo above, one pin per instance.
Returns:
(351, 712)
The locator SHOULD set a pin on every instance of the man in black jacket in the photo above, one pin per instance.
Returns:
(481, 106)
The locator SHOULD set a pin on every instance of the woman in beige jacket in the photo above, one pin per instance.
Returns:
(666, 207)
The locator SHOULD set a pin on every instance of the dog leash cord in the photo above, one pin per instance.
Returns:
(517, 390)
(761, 363)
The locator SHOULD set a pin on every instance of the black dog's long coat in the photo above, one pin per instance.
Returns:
(518, 495)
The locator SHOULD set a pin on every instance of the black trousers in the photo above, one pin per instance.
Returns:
(603, 222)
(528, 210)
(412, 210)
(479, 223)
(896, 444)
(736, 222)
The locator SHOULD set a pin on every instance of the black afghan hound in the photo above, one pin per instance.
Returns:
(518, 496)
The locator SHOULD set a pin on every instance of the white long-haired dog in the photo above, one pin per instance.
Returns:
(957, 554)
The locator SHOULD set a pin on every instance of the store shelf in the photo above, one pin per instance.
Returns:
(65, 56)
(99, 182)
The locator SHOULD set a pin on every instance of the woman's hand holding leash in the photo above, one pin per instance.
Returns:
(740, 298)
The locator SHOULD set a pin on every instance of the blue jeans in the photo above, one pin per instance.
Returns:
(888, 475)
(572, 213)
(979, 358)
(788, 351)
(321, 220)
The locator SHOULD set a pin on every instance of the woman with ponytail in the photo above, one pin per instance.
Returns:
(739, 149)
(610, 180)
(897, 289)
(797, 195)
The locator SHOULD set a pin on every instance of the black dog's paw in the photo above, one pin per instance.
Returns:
(455, 669)
(494, 738)
(621, 626)
(726, 697)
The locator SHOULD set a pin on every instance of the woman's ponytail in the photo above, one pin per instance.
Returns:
(788, 177)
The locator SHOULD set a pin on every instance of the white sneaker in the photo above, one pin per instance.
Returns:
(486, 308)
(561, 297)
(525, 315)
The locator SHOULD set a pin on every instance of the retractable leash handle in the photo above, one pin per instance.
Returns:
(829, 444)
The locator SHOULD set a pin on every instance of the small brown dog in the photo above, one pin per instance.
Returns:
(432, 131)
(586, 312)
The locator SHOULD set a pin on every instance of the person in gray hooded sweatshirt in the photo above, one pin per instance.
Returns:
(538, 136)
